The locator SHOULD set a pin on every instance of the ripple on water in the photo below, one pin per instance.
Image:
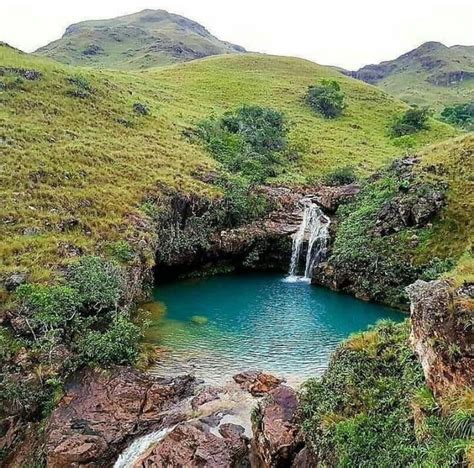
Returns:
(253, 321)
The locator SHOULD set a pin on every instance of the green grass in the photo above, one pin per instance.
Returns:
(412, 88)
(420, 76)
(76, 171)
(452, 163)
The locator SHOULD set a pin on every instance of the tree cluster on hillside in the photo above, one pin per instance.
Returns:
(326, 99)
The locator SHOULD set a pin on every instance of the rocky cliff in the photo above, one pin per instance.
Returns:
(442, 334)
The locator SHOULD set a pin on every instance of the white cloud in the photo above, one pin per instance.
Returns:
(347, 33)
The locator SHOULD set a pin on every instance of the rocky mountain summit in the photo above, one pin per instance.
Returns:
(432, 74)
(141, 40)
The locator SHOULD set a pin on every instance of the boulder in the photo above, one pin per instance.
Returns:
(276, 440)
(102, 411)
(191, 445)
(256, 382)
(14, 281)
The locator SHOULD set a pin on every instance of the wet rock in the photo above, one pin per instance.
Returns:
(304, 459)
(231, 431)
(276, 441)
(214, 419)
(256, 382)
(102, 411)
(190, 445)
(204, 396)
(442, 334)
(329, 198)
(15, 281)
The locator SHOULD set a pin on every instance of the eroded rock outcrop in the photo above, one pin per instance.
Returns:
(442, 334)
(329, 198)
(276, 442)
(102, 411)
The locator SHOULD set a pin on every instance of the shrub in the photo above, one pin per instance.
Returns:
(241, 203)
(121, 251)
(460, 114)
(8, 345)
(49, 307)
(141, 109)
(341, 176)
(326, 99)
(412, 121)
(82, 88)
(251, 141)
(119, 344)
(98, 281)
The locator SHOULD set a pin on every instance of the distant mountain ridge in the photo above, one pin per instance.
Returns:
(432, 74)
(141, 40)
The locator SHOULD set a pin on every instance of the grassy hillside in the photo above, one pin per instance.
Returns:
(78, 162)
(141, 40)
(414, 220)
(432, 74)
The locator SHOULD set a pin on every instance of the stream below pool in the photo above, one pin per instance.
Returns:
(215, 327)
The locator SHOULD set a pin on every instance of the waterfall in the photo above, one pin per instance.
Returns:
(139, 446)
(314, 229)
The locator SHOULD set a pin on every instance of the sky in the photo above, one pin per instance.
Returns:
(346, 33)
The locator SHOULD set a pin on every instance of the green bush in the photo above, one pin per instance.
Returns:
(412, 121)
(341, 176)
(8, 345)
(49, 307)
(82, 88)
(251, 141)
(241, 203)
(121, 251)
(119, 344)
(326, 99)
(98, 281)
(460, 114)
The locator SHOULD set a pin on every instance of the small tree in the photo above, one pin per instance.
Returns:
(327, 99)
(460, 114)
(412, 121)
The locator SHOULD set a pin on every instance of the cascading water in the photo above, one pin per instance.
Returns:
(315, 229)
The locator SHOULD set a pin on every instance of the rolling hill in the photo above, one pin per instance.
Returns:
(141, 40)
(432, 74)
(78, 161)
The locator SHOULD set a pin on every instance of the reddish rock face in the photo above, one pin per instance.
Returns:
(256, 382)
(191, 445)
(275, 442)
(329, 198)
(442, 334)
(102, 411)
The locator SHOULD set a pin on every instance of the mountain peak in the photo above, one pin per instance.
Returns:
(432, 74)
(144, 39)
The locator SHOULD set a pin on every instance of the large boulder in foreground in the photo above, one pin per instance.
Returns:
(276, 442)
(193, 445)
(102, 411)
(442, 334)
